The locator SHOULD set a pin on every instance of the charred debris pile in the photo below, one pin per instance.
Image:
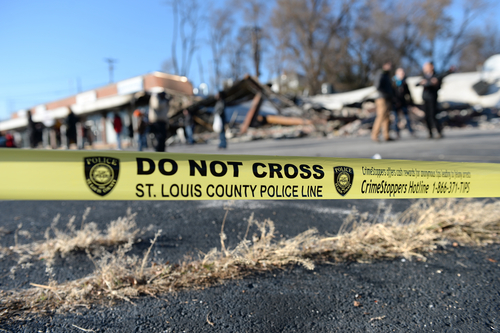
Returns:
(254, 112)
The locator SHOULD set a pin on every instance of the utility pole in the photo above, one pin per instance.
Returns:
(110, 62)
(256, 33)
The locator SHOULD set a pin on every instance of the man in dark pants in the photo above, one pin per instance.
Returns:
(71, 135)
(158, 118)
(432, 83)
(402, 99)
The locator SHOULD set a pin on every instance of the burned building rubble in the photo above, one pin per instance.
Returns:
(254, 111)
(250, 105)
(348, 113)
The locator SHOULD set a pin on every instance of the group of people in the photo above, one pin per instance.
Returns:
(156, 122)
(393, 94)
(152, 121)
(7, 140)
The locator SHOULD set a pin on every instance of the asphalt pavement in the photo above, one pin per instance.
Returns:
(458, 145)
(456, 290)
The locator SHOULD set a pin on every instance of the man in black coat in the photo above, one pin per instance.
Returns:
(432, 83)
(71, 135)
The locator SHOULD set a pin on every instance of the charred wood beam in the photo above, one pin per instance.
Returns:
(252, 113)
(286, 121)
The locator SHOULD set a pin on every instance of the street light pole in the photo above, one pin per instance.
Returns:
(110, 62)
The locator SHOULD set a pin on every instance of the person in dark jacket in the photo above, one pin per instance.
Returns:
(71, 121)
(159, 106)
(35, 131)
(220, 109)
(402, 99)
(31, 131)
(432, 83)
(383, 103)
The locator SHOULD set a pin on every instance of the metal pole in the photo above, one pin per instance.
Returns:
(110, 62)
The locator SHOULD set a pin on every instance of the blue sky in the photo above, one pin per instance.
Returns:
(48, 46)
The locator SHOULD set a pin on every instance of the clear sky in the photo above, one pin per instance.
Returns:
(51, 47)
(48, 45)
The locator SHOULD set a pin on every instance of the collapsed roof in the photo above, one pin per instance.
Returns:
(243, 91)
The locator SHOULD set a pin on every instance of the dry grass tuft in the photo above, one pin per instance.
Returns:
(419, 230)
(412, 234)
(62, 242)
(88, 237)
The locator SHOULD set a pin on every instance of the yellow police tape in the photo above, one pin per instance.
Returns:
(107, 175)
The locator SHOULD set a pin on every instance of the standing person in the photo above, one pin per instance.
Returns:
(31, 131)
(432, 83)
(10, 142)
(71, 121)
(220, 109)
(158, 118)
(402, 98)
(86, 134)
(142, 126)
(117, 125)
(383, 103)
(3, 140)
(188, 126)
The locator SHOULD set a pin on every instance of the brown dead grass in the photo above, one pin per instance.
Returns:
(413, 234)
(87, 237)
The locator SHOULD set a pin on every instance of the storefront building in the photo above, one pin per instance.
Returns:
(94, 110)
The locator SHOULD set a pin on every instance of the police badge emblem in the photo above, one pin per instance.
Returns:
(101, 173)
(342, 178)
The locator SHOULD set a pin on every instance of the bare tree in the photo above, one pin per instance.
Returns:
(276, 60)
(237, 56)
(405, 32)
(387, 30)
(187, 15)
(255, 13)
(440, 37)
(432, 21)
(308, 28)
(481, 44)
(221, 25)
(471, 10)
